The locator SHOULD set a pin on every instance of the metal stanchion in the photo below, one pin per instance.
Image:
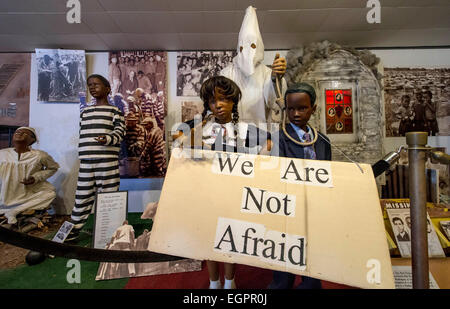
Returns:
(417, 189)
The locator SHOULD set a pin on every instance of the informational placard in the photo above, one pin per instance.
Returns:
(398, 211)
(316, 218)
(403, 278)
(110, 213)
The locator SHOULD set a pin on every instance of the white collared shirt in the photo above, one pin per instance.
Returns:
(212, 129)
(301, 133)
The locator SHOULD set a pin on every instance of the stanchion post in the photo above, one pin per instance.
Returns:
(418, 197)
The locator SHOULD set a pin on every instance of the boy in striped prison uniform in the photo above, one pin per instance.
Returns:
(153, 159)
(102, 129)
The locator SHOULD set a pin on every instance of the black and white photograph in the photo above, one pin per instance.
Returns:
(189, 109)
(139, 89)
(61, 75)
(124, 239)
(417, 99)
(445, 225)
(398, 212)
(193, 68)
(401, 232)
(63, 232)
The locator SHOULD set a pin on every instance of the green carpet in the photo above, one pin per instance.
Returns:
(52, 273)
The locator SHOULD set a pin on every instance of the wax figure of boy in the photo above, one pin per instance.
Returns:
(299, 99)
(102, 129)
(23, 174)
(221, 130)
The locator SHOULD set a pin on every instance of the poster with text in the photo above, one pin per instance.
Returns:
(398, 211)
(14, 89)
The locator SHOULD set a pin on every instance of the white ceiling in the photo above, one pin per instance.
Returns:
(214, 24)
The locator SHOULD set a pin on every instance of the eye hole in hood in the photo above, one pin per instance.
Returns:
(250, 45)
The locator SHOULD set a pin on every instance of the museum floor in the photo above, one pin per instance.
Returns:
(51, 274)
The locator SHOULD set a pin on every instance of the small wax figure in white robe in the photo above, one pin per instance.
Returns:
(23, 174)
(254, 78)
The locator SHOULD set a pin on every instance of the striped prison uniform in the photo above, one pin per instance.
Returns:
(134, 140)
(146, 107)
(154, 108)
(153, 157)
(99, 164)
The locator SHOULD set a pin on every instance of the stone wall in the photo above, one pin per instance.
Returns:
(343, 66)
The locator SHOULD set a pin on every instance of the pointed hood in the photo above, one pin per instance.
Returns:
(250, 49)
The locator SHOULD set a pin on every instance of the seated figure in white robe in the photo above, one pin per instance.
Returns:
(23, 175)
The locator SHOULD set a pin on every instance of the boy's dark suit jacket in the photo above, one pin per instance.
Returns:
(289, 149)
(405, 237)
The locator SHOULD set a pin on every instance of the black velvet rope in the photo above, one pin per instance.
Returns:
(81, 253)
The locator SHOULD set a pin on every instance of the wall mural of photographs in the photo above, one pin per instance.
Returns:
(417, 99)
(61, 75)
(193, 68)
(139, 88)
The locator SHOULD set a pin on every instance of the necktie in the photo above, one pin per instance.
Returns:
(309, 150)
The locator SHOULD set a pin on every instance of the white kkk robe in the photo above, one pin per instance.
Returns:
(254, 78)
(16, 197)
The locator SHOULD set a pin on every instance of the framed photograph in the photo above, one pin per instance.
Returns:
(61, 75)
(111, 210)
(417, 99)
(194, 67)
